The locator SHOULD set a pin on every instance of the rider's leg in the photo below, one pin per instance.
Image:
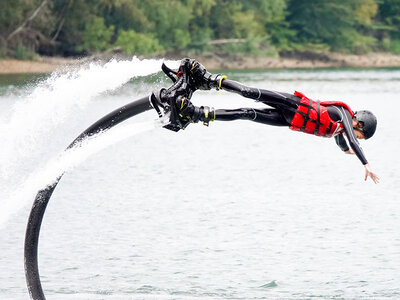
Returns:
(271, 98)
(206, 81)
(272, 117)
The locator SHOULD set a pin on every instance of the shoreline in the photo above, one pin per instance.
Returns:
(217, 62)
(302, 61)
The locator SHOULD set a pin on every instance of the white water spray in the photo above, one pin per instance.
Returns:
(66, 161)
(37, 117)
(54, 100)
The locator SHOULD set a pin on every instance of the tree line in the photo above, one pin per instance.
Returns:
(152, 27)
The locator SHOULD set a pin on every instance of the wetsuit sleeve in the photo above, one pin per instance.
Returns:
(348, 129)
(341, 142)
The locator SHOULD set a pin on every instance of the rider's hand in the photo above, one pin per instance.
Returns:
(368, 172)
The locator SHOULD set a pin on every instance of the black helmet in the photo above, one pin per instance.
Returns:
(367, 122)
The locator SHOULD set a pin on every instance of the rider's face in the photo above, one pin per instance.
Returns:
(357, 126)
(359, 134)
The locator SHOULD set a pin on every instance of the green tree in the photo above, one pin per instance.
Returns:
(96, 36)
(73, 17)
(134, 43)
(389, 15)
(126, 14)
(272, 14)
(245, 25)
(365, 11)
(222, 21)
(200, 30)
(69, 27)
(166, 17)
(24, 26)
(331, 22)
(388, 25)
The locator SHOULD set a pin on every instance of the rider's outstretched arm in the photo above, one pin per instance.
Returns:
(353, 142)
(355, 146)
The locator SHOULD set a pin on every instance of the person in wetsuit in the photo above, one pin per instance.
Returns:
(298, 112)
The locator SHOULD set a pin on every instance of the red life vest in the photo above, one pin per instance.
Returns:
(312, 117)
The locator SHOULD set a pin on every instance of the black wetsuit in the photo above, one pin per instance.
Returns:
(284, 107)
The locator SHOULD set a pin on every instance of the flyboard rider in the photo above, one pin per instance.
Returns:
(295, 111)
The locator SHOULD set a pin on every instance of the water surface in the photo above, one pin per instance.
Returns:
(237, 210)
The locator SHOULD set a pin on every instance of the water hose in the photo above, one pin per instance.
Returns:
(43, 196)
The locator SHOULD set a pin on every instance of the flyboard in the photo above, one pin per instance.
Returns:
(162, 101)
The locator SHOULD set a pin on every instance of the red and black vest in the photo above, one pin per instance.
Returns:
(312, 117)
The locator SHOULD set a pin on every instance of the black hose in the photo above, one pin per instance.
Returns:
(43, 196)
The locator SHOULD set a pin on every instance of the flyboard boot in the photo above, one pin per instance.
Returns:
(174, 103)
(203, 79)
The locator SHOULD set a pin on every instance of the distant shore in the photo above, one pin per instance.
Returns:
(304, 60)
(214, 62)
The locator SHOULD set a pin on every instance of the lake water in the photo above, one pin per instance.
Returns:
(236, 210)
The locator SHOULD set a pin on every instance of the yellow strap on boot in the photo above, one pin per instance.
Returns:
(220, 82)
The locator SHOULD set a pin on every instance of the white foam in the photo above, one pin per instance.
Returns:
(54, 100)
(65, 162)
(35, 118)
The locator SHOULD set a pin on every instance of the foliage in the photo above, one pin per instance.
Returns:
(392, 46)
(134, 43)
(256, 46)
(365, 11)
(166, 17)
(96, 36)
(12, 14)
(272, 15)
(264, 27)
(389, 15)
(23, 53)
(343, 25)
